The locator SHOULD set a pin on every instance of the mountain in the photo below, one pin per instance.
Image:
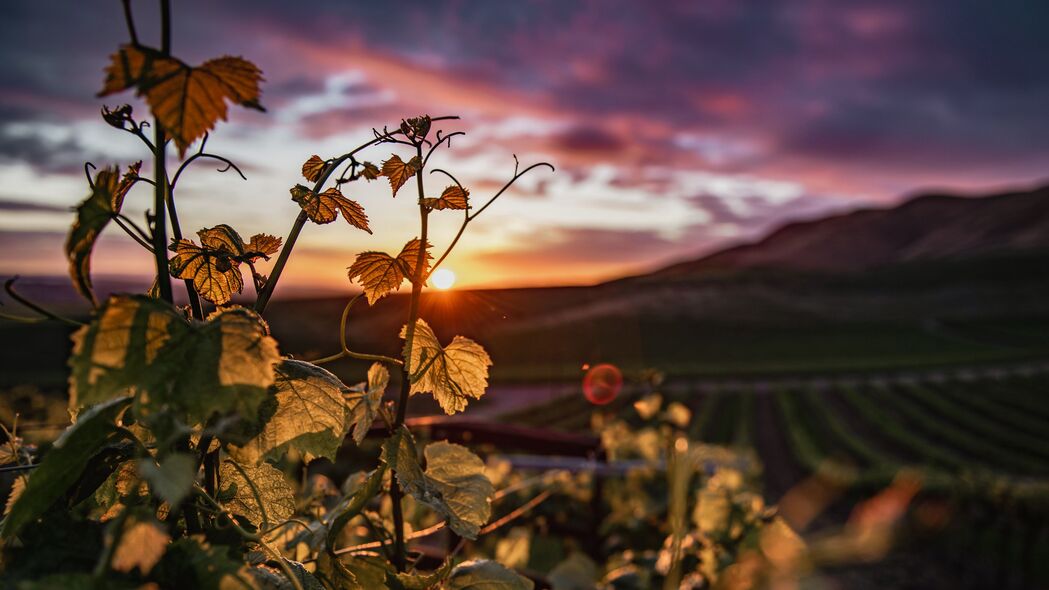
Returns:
(933, 227)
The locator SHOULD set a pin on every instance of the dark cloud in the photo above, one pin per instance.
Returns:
(588, 139)
(28, 207)
(584, 245)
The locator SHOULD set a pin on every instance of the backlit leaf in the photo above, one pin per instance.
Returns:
(146, 346)
(141, 546)
(92, 215)
(65, 462)
(261, 246)
(399, 171)
(312, 168)
(482, 574)
(311, 416)
(453, 197)
(365, 400)
(187, 101)
(261, 493)
(215, 273)
(222, 237)
(377, 273)
(324, 207)
(268, 577)
(453, 373)
(409, 256)
(454, 483)
(370, 171)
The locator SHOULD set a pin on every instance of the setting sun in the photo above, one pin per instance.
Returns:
(443, 278)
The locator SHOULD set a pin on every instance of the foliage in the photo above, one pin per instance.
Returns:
(188, 421)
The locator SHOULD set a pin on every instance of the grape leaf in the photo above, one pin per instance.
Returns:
(261, 494)
(311, 417)
(409, 257)
(261, 246)
(482, 574)
(324, 207)
(312, 168)
(365, 400)
(65, 462)
(215, 273)
(273, 578)
(416, 127)
(92, 215)
(378, 273)
(225, 363)
(187, 101)
(399, 171)
(454, 483)
(453, 197)
(453, 374)
(17, 487)
(141, 546)
(370, 171)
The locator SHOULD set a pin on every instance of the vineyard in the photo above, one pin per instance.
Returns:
(978, 445)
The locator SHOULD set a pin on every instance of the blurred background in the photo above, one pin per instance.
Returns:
(823, 223)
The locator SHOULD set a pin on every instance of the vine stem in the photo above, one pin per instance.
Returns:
(346, 352)
(160, 188)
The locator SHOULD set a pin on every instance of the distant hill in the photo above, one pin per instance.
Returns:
(933, 227)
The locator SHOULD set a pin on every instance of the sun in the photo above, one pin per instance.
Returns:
(443, 278)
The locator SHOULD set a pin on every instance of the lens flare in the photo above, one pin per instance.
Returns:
(443, 278)
(602, 383)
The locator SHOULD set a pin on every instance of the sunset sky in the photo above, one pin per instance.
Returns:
(675, 127)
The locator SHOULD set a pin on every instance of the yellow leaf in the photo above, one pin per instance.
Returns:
(324, 207)
(261, 246)
(377, 273)
(453, 373)
(17, 487)
(370, 171)
(399, 171)
(409, 257)
(141, 546)
(365, 399)
(311, 416)
(261, 494)
(215, 273)
(187, 101)
(92, 216)
(453, 197)
(311, 170)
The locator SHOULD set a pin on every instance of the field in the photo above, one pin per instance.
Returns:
(979, 445)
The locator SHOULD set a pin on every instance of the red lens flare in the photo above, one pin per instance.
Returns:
(602, 383)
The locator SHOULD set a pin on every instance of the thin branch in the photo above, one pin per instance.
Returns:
(202, 154)
(141, 232)
(134, 236)
(346, 352)
(130, 22)
(9, 286)
(510, 183)
(517, 513)
(441, 139)
(88, 167)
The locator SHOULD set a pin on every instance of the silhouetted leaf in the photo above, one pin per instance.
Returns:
(453, 373)
(92, 215)
(365, 400)
(454, 483)
(187, 101)
(324, 207)
(312, 168)
(453, 197)
(260, 493)
(416, 128)
(482, 574)
(65, 462)
(399, 171)
(311, 416)
(135, 343)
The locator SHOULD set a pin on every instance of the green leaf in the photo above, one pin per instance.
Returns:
(65, 462)
(514, 548)
(576, 572)
(343, 513)
(311, 416)
(193, 563)
(482, 574)
(145, 346)
(365, 400)
(454, 483)
(261, 494)
(92, 215)
(172, 479)
(453, 373)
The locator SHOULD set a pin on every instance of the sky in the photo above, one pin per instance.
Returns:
(676, 128)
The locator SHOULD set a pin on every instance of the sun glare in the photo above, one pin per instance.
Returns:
(443, 278)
